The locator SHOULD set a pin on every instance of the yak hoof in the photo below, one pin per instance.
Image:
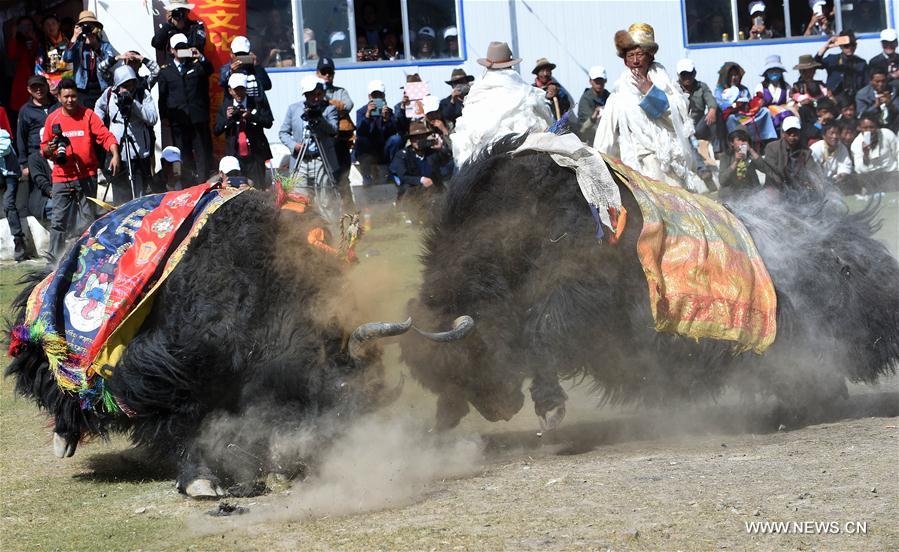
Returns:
(553, 418)
(62, 448)
(203, 488)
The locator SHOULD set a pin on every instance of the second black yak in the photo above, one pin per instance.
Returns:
(513, 244)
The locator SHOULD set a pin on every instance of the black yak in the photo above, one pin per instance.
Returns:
(242, 328)
(513, 244)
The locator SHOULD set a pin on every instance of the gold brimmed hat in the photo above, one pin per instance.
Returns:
(638, 35)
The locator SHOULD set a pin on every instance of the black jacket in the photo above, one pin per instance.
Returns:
(195, 33)
(263, 82)
(406, 169)
(184, 97)
(786, 170)
(260, 118)
(28, 130)
(39, 174)
(845, 74)
(450, 111)
(732, 182)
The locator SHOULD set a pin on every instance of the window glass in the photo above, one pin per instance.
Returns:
(326, 30)
(433, 29)
(866, 16)
(761, 20)
(379, 31)
(806, 20)
(270, 30)
(708, 21)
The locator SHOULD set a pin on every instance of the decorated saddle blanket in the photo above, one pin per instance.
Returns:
(706, 278)
(84, 314)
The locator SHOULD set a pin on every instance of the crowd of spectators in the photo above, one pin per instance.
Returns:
(80, 108)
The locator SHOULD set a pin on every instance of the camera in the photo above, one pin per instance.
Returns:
(312, 111)
(126, 100)
(60, 143)
(238, 112)
(179, 14)
(87, 29)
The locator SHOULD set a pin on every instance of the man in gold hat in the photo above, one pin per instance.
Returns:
(500, 103)
(646, 120)
(92, 58)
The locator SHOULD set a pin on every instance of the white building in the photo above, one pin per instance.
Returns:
(574, 34)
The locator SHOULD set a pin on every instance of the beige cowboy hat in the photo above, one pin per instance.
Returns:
(87, 16)
(499, 56)
(541, 63)
(638, 35)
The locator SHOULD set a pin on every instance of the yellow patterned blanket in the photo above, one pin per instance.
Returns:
(705, 276)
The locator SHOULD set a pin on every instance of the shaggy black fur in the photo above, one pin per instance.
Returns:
(513, 245)
(240, 344)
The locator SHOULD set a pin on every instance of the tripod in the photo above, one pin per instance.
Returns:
(327, 198)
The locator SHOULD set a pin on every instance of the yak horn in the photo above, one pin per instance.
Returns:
(367, 333)
(462, 326)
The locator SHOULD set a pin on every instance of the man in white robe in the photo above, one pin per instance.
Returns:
(646, 120)
(500, 103)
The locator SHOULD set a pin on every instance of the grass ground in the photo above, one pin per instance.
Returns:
(624, 483)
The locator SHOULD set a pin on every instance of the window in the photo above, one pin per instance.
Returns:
(353, 32)
(719, 21)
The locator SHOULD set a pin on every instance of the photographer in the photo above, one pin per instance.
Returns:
(309, 125)
(421, 167)
(92, 58)
(243, 121)
(451, 106)
(243, 61)
(126, 111)
(375, 123)
(179, 22)
(69, 137)
(184, 106)
(135, 61)
(879, 98)
(845, 71)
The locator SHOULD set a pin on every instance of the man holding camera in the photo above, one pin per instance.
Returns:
(309, 130)
(243, 120)
(184, 106)
(129, 114)
(451, 106)
(69, 137)
(179, 22)
(423, 165)
(244, 61)
(92, 58)
(375, 124)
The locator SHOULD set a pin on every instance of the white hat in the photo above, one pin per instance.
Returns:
(176, 5)
(888, 35)
(756, 7)
(171, 154)
(450, 31)
(427, 31)
(336, 36)
(376, 86)
(228, 164)
(685, 66)
(237, 80)
(310, 83)
(177, 38)
(773, 62)
(123, 74)
(430, 103)
(240, 45)
(813, 3)
(598, 72)
(790, 123)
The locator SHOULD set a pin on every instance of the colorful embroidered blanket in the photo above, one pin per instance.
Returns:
(84, 313)
(705, 276)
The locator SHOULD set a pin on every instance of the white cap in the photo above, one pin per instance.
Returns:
(790, 123)
(685, 66)
(888, 35)
(177, 38)
(813, 3)
(240, 45)
(430, 103)
(376, 86)
(310, 83)
(123, 74)
(171, 154)
(427, 31)
(336, 36)
(450, 31)
(228, 164)
(172, 6)
(237, 80)
(756, 7)
(598, 72)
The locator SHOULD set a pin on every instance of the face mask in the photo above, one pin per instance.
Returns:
(774, 76)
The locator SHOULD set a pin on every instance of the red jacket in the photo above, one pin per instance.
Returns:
(83, 131)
